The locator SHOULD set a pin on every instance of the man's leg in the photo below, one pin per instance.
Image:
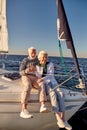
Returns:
(25, 96)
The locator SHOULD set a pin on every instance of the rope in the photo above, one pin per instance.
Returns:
(62, 59)
(56, 75)
(71, 70)
(63, 83)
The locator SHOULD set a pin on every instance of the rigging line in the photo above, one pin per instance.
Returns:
(71, 70)
(63, 83)
(64, 75)
(43, 74)
(62, 61)
(56, 75)
(62, 58)
(82, 109)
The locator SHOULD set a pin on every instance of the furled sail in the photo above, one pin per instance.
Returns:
(3, 28)
(64, 32)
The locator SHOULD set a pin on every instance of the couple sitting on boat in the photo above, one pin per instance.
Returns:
(39, 73)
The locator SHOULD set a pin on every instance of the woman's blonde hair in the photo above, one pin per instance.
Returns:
(42, 53)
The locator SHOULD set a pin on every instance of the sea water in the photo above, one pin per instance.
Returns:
(79, 120)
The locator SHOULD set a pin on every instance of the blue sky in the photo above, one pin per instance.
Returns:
(33, 23)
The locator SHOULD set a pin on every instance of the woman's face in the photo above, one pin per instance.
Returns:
(43, 59)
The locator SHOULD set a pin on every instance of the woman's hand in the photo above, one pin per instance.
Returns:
(40, 80)
(55, 67)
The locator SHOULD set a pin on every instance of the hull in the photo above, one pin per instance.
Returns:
(9, 112)
(10, 93)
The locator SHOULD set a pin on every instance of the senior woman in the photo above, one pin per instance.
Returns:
(45, 72)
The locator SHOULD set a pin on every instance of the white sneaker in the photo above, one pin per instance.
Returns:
(43, 108)
(25, 114)
(68, 126)
(61, 124)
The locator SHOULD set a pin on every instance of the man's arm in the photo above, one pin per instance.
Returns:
(22, 67)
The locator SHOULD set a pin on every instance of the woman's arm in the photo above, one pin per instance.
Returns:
(50, 71)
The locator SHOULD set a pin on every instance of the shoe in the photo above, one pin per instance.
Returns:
(61, 124)
(68, 126)
(25, 114)
(43, 108)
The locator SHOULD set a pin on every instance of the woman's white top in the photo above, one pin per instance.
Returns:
(50, 74)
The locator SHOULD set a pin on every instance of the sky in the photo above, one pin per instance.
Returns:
(33, 23)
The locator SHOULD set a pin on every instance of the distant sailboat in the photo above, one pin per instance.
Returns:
(3, 28)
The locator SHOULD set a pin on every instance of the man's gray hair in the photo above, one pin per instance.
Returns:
(31, 48)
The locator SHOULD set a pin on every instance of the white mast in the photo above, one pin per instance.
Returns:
(3, 28)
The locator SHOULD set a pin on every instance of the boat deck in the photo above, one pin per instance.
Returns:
(10, 91)
(10, 106)
(10, 94)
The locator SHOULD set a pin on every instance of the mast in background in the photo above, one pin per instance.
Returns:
(3, 28)
(64, 33)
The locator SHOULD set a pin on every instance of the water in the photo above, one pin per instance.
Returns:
(79, 120)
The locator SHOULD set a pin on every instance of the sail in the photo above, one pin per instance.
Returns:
(3, 28)
(64, 32)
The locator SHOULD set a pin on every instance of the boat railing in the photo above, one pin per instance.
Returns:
(59, 85)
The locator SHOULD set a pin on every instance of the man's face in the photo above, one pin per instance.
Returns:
(32, 53)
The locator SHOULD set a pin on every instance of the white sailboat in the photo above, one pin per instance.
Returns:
(10, 90)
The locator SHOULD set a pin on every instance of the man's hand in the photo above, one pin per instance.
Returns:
(27, 70)
(30, 69)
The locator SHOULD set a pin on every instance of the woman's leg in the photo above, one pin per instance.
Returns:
(55, 104)
(53, 97)
(60, 116)
(60, 98)
(42, 97)
(42, 92)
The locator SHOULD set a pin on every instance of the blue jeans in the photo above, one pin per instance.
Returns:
(56, 98)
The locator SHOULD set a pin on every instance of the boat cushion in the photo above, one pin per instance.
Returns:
(12, 76)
